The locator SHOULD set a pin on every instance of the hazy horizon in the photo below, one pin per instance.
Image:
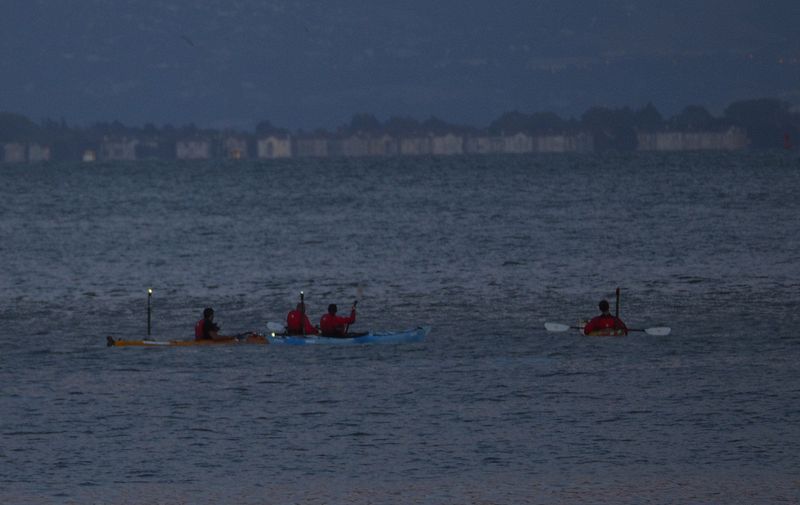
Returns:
(305, 64)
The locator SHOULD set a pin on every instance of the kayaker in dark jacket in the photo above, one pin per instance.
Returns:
(297, 320)
(605, 323)
(206, 328)
(332, 325)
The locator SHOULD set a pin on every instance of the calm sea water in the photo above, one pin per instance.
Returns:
(491, 408)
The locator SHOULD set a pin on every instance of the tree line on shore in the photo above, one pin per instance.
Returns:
(768, 122)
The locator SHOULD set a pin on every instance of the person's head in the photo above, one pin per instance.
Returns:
(208, 313)
(603, 306)
(332, 308)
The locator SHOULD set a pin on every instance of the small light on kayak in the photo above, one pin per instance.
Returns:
(149, 291)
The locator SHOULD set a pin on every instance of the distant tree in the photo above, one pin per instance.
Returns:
(767, 121)
(114, 128)
(402, 126)
(546, 121)
(509, 123)
(66, 144)
(51, 125)
(434, 125)
(150, 130)
(188, 130)
(648, 118)
(16, 127)
(515, 122)
(694, 118)
(364, 123)
(265, 127)
(612, 128)
(117, 128)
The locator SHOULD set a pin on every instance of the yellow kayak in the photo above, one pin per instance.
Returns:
(251, 338)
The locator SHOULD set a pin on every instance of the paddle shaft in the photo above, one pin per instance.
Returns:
(302, 314)
(149, 296)
(348, 324)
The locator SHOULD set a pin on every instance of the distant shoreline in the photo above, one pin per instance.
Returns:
(765, 123)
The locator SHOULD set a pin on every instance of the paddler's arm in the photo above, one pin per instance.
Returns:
(214, 334)
(310, 328)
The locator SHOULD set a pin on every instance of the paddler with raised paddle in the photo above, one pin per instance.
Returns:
(605, 323)
(332, 325)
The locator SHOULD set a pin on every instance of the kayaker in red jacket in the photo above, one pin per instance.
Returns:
(206, 328)
(297, 320)
(605, 323)
(332, 325)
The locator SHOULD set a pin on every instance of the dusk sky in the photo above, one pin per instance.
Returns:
(310, 63)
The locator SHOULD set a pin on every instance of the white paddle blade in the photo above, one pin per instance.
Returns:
(658, 331)
(276, 327)
(555, 327)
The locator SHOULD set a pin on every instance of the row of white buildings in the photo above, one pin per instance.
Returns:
(730, 140)
(18, 152)
(363, 145)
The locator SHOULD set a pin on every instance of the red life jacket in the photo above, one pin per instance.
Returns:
(296, 321)
(199, 326)
(335, 325)
(605, 324)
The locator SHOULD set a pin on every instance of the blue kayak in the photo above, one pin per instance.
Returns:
(387, 337)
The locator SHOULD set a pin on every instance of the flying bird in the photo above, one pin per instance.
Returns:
(188, 40)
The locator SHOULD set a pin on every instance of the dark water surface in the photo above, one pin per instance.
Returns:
(491, 408)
